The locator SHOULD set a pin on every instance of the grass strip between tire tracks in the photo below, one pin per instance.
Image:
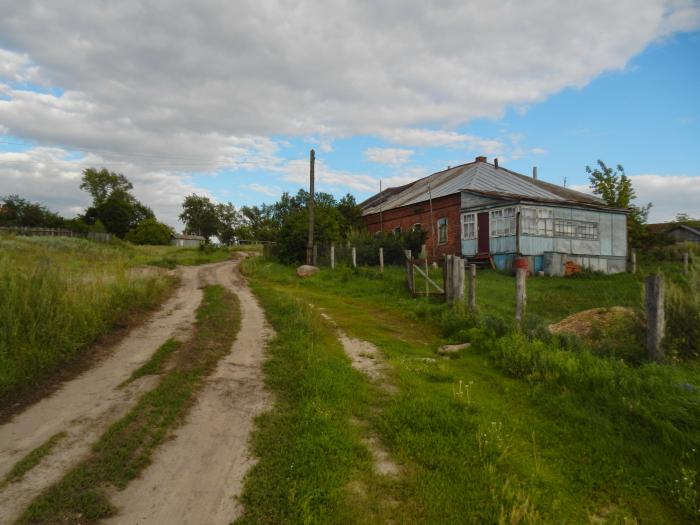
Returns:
(308, 451)
(155, 364)
(125, 449)
(31, 460)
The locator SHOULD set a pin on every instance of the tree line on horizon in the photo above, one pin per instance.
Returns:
(116, 211)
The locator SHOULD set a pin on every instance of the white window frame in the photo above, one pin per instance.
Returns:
(442, 240)
(503, 222)
(537, 221)
(468, 226)
(417, 227)
(573, 229)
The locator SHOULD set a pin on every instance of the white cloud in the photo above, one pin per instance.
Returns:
(260, 68)
(327, 179)
(538, 151)
(393, 157)
(265, 189)
(206, 85)
(668, 194)
(52, 176)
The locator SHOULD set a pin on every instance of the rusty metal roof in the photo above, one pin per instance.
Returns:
(480, 177)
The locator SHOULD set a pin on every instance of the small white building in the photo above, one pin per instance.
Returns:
(187, 241)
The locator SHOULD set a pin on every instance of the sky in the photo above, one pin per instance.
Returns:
(225, 99)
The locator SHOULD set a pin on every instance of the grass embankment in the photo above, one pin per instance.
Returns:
(58, 295)
(125, 449)
(542, 430)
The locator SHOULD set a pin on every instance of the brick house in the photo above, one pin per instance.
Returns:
(485, 212)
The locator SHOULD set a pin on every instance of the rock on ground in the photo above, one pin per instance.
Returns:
(305, 270)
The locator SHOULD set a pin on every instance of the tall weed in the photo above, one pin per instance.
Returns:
(56, 297)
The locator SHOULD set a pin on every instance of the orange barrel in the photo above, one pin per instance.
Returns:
(521, 262)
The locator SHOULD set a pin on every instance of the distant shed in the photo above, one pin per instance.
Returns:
(187, 241)
(676, 231)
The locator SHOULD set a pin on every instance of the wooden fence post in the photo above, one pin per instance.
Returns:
(332, 256)
(633, 260)
(685, 263)
(654, 302)
(472, 288)
(381, 260)
(457, 278)
(409, 273)
(315, 255)
(520, 293)
(447, 277)
(354, 257)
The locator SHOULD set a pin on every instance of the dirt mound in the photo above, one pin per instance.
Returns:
(588, 324)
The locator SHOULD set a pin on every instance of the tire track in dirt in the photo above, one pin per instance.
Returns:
(196, 477)
(366, 357)
(85, 406)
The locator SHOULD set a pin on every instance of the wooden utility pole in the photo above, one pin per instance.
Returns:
(381, 216)
(312, 198)
(654, 302)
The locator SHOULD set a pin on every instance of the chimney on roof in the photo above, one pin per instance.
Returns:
(495, 162)
(534, 172)
(480, 159)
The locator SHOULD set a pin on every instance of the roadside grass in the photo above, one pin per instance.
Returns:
(155, 364)
(125, 449)
(307, 449)
(542, 429)
(57, 296)
(31, 460)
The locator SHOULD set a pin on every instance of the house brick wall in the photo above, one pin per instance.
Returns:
(406, 216)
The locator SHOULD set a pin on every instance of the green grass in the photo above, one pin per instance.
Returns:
(547, 433)
(58, 295)
(31, 460)
(125, 449)
(170, 257)
(155, 364)
(308, 451)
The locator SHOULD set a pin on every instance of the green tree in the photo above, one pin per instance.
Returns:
(615, 188)
(112, 203)
(150, 231)
(103, 183)
(199, 215)
(352, 214)
(230, 222)
(16, 211)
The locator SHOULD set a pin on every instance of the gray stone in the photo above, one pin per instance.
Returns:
(305, 270)
(452, 349)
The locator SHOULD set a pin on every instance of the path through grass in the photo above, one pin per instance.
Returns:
(125, 449)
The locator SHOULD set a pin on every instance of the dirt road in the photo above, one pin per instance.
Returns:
(85, 406)
(195, 477)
